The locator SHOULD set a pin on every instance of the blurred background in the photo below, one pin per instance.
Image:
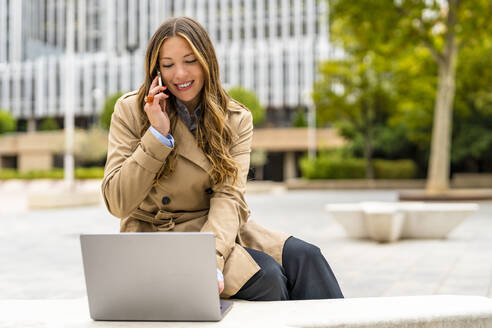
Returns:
(369, 85)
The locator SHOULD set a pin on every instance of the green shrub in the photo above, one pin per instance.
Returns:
(34, 174)
(80, 173)
(326, 166)
(6, 174)
(299, 120)
(7, 122)
(89, 172)
(249, 99)
(108, 108)
(395, 169)
(334, 166)
(43, 174)
(49, 124)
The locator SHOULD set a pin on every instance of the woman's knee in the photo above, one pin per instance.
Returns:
(269, 283)
(296, 249)
(273, 275)
(273, 284)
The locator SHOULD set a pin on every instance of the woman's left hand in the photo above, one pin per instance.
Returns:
(220, 280)
(221, 286)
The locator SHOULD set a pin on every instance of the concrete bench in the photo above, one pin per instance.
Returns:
(443, 311)
(390, 221)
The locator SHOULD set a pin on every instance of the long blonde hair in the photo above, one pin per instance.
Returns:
(213, 133)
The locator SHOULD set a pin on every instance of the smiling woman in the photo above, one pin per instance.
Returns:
(179, 162)
(181, 71)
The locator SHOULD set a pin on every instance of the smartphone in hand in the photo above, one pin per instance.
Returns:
(162, 84)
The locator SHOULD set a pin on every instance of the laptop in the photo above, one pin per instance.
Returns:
(159, 276)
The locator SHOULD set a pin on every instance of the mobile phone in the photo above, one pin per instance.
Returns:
(162, 84)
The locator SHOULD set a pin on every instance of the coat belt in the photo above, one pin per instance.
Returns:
(165, 220)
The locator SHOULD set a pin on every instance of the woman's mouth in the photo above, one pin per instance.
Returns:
(184, 86)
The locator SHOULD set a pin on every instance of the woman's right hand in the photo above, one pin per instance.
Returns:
(156, 110)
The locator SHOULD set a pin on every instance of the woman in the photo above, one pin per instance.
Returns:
(179, 162)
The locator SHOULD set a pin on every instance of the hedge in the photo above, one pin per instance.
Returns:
(7, 122)
(334, 167)
(395, 169)
(49, 124)
(80, 173)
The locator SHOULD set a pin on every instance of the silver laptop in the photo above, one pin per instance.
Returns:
(152, 277)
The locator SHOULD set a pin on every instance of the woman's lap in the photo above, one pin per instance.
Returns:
(268, 284)
(305, 274)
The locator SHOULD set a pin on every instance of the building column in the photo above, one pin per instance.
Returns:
(68, 97)
(31, 124)
(289, 165)
(3, 31)
(15, 30)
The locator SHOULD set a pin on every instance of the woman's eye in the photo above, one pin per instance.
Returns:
(167, 66)
(191, 61)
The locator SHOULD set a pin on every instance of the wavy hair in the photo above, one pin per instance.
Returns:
(213, 133)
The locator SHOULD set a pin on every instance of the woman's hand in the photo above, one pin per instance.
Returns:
(156, 110)
(221, 286)
(220, 281)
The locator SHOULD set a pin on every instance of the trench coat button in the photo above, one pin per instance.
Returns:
(166, 200)
(209, 191)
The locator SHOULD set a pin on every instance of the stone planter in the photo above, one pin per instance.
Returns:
(388, 222)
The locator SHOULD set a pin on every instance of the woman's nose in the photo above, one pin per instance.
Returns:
(180, 72)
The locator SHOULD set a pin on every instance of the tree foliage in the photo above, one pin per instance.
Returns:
(413, 39)
(299, 120)
(108, 108)
(250, 100)
(7, 122)
(356, 94)
(472, 136)
(393, 26)
(49, 124)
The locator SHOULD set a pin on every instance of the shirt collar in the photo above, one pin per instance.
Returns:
(185, 114)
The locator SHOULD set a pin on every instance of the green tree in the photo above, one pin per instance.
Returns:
(354, 93)
(7, 122)
(248, 98)
(472, 139)
(414, 85)
(108, 108)
(442, 27)
(472, 113)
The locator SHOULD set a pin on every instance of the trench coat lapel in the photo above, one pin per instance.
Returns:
(187, 146)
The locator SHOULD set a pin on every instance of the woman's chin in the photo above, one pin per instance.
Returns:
(186, 100)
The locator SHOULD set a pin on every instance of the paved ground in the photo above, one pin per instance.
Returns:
(40, 253)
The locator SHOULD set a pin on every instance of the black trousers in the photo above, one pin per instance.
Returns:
(304, 274)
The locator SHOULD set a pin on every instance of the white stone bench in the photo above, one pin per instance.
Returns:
(443, 311)
(390, 221)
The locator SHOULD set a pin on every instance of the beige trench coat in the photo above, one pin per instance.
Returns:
(185, 201)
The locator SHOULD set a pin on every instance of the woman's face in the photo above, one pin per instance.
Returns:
(181, 71)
